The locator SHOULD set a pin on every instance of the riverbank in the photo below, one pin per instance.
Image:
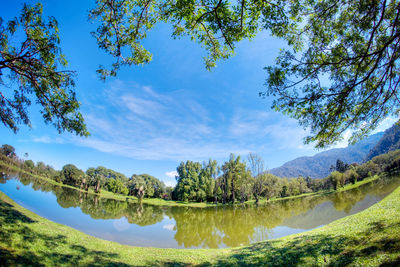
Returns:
(371, 237)
(163, 202)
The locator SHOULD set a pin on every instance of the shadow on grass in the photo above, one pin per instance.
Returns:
(20, 245)
(318, 249)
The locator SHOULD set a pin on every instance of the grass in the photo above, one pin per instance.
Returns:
(162, 202)
(369, 238)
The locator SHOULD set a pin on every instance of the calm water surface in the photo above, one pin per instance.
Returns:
(185, 227)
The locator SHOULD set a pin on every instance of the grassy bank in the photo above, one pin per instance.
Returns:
(371, 237)
(162, 202)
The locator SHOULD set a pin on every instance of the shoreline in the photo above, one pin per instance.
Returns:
(161, 202)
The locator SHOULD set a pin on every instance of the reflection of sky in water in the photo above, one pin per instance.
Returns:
(164, 232)
(121, 224)
(169, 227)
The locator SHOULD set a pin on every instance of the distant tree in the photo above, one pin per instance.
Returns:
(136, 187)
(284, 192)
(208, 175)
(71, 175)
(272, 186)
(8, 151)
(234, 172)
(256, 165)
(36, 66)
(96, 179)
(29, 164)
(351, 175)
(116, 186)
(367, 169)
(336, 179)
(188, 183)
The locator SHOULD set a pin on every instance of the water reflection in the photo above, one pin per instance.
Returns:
(146, 225)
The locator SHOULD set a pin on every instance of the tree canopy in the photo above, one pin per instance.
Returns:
(341, 71)
(37, 67)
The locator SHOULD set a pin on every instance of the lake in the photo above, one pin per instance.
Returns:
(130, 223)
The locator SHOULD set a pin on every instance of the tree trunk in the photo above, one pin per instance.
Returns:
(256, 197)
(233, 190)
(97, 188)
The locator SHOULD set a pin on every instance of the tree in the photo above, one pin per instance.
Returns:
(234, 175)
(37, 67)
(188, 183)
(351, 175)
(137, 186)
(336, 179)
(8, 151)
(116, 186)
(145, 185)
(96, 178)
(208, 177)
(256, 164)
(71, 175)
(29, 164)
(343, 72)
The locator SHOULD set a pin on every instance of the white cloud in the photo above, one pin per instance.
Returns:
(171, 174)
(344, 142)
(121, 224)
(386, 123)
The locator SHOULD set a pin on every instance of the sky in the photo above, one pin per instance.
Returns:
(150, 118)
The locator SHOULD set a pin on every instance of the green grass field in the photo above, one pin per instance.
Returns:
(369, 238)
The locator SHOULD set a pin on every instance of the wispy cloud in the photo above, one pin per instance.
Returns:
(48, 140)
(142, 123)
(283, 132)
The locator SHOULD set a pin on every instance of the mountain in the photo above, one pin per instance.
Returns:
(389, 141)
(318, 165)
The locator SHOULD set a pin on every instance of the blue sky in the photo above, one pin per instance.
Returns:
(150, 118)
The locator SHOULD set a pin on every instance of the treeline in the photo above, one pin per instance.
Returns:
(236, 180)
(99, 178)
(241, 180)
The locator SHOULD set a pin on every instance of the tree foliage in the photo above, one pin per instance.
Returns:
(37, 67)
(145, 185)
(116, 186)
(343, 70)
(7, 150)
(71, 175)
(216, 25)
